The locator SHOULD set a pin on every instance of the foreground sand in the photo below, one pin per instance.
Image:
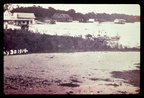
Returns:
(72, 73)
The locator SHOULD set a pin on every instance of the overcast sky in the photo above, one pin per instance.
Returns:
(131, 9)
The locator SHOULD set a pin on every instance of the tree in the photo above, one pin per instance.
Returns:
(88, 36)
(17, 6)
(90, 15)
(34, 6)
(51, 11)
(72, 13)
(8, 7)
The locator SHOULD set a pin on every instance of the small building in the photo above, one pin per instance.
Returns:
(62, 17)
(49, 21)
(7, 19)
(8, 16)
(82, 20)
(119, 21)
(91, 20)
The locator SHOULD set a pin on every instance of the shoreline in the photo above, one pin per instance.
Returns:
(74, 52)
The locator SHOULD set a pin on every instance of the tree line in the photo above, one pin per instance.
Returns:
(49, 12)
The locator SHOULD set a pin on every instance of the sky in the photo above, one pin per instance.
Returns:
(130, 9)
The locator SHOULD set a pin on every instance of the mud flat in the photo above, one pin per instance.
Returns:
(73, 73)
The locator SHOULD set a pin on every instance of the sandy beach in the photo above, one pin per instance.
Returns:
(72, 73)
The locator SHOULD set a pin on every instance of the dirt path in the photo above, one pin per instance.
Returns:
(72, 73)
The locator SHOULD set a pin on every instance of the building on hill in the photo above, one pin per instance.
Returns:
(62, 17)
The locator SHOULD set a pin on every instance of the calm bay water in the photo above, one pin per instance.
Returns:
(129, 32)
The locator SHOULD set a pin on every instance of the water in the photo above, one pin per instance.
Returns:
(129, 32)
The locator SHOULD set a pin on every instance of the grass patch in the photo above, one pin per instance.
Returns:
(132, 76)
(99, 79)
(69, 85)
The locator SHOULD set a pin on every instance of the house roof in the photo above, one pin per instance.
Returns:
(60, 15)
(25, 15)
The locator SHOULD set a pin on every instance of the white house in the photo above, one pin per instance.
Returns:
(119, 21)
(91, 20)
(7, 15)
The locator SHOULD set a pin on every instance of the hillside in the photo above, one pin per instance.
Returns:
(49, 12)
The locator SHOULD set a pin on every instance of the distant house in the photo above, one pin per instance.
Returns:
(119, 21)
(49, 21)
(8, 16)
(62, 17)
(19, 18)
(91, 20)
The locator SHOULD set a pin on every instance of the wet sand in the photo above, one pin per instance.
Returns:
(72, 73)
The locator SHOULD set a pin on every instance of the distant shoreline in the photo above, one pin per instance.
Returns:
(118, 51)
